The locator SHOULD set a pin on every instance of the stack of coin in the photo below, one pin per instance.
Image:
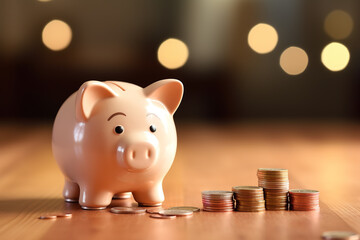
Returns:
(275, 182)
(218, 201)
(249, 198)
(304, 200)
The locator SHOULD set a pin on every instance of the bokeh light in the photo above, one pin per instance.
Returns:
(56, 35)
(294, 60)
(262, 38)
(173, 53)
(338, 24)
(335, 56)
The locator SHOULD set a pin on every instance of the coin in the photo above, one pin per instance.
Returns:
(127, 210)
(217, 192)
(154, 210)
(340, 235)
(49, 216)
(218, 210)
(63, 215)
(219, 207)
(194, 209)
(276, 170)
(251, 210)
(275, 182)
(304, 199)
(162, 216)
(217, 204)
(249, 198)
(247, 188)
(247, 208)
(251, 203)
(217, 201)
(302, 191)
(229, 199)
(175, 212)
(276, 208)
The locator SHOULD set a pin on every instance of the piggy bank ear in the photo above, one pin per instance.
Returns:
(168, 91)
(88, 95)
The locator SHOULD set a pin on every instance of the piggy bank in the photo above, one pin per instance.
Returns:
(115, 137)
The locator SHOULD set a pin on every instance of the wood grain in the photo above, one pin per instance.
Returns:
(210, 157)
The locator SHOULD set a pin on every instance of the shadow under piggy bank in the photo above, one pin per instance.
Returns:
(42, 205)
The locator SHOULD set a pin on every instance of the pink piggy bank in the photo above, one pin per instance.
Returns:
(115, 137)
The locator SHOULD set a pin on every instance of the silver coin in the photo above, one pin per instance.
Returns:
(154, 210)
(337, 235)
(304, 191)
(128, 210)
(176, 212)
(217, 193)
(273, 169)
(189, 208)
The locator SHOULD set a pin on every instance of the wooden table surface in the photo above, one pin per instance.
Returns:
(210, 157)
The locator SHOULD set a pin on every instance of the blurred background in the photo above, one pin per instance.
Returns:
(240, 60)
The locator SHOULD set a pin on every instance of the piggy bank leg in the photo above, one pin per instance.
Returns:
(94, 199)
(71, 191)
(150, 197)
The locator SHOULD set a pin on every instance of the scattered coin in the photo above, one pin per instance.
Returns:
(154, 210)
(55, 215)
(194, 209)
(162, 216)
(176, 212)
(127, 210)
(149, 205)
(47, 217)
(340, 235)
(304, 200)
(63, 215)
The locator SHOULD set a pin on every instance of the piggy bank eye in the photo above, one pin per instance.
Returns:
(119, 129)
(152, 128)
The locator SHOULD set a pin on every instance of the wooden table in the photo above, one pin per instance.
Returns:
(210, 157)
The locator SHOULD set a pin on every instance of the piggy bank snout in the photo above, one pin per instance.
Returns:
(140, 152)
(138, 156)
